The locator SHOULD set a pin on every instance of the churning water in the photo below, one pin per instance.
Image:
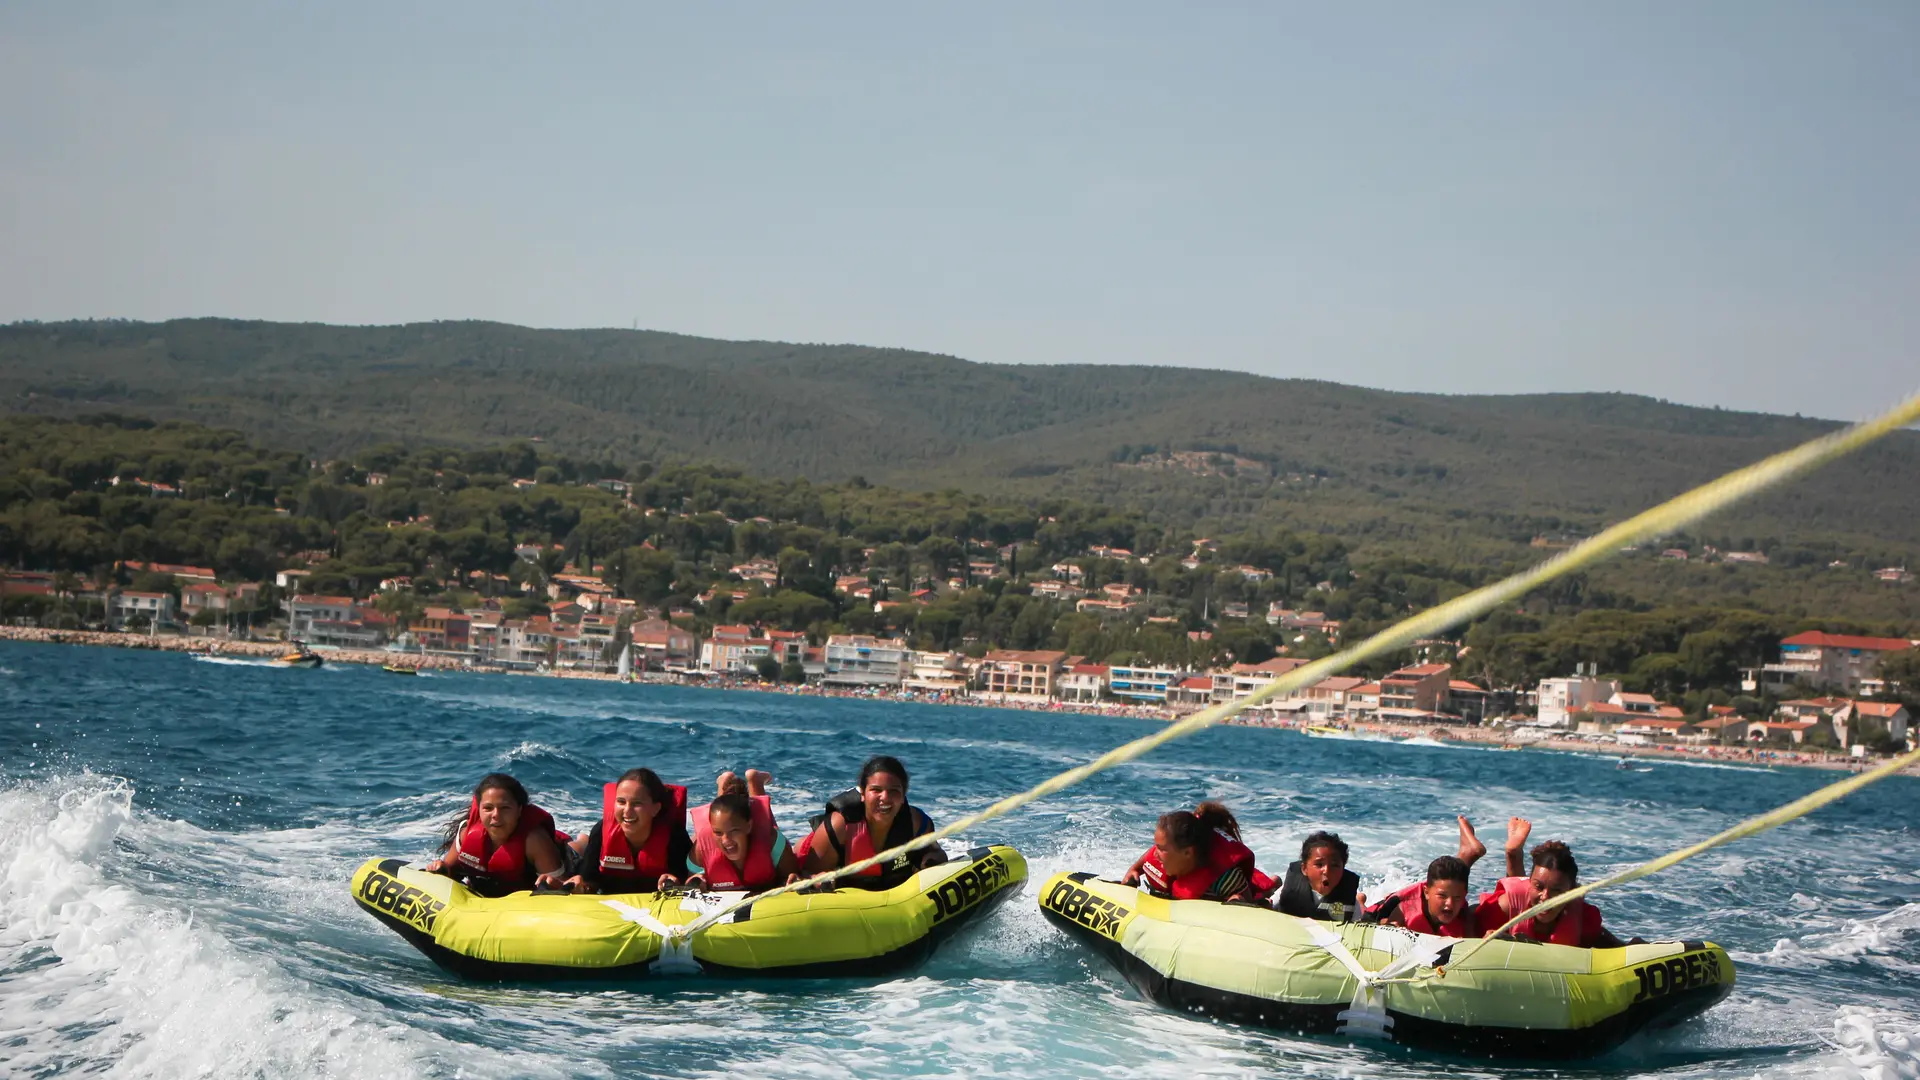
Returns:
(176, 835)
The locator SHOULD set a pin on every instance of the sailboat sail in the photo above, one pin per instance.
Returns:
(626, 662)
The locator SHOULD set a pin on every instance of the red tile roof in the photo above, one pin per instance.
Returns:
(1017, 656)
(1818, 639)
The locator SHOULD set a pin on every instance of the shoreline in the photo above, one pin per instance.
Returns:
(1357, 730)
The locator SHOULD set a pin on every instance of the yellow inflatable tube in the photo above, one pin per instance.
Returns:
(1492, 998)
(563, 936)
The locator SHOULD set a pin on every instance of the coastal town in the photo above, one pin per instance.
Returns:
(1826, 693)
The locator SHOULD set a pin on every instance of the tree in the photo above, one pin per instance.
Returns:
(792, 672)
(767, 668)
(400, 605)
(1901, 671)
(942, 555)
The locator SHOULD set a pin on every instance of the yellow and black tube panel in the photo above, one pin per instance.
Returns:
(1482, 998)
(526, 935)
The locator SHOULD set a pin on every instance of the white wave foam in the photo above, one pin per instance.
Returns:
(1881, 940)
(1872, 1048)
(232, 661)
(94, 975)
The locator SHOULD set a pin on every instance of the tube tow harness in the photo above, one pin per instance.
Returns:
(1366, 1016)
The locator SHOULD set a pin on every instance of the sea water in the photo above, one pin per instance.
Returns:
(176, 836)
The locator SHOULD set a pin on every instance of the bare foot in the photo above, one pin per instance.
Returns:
(757, 780)
(729, 783)
(1470, 846)
(1518, 829)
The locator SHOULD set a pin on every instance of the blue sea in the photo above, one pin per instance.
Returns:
(176, 836)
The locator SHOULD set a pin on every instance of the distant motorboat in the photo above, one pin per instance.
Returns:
(300, 657)
(399, 669)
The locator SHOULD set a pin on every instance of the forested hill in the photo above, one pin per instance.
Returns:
(1199, 446)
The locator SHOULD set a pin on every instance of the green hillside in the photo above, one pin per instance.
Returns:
(1196, 447)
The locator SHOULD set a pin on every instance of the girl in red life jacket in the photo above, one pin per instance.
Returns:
(737, 846)
(1197, 855)
(1439, 906)
(640, 843)
(880, 819)
(503, 843)
(1554, 872)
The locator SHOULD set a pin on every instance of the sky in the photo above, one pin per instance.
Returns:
(1715, 202)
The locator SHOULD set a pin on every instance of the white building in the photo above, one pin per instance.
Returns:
(937, 672)
(864, 660)
(1082, 684)
(154, 607)
(1142, 683)
(1560, 698)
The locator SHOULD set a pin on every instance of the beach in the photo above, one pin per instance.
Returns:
(1491, 736)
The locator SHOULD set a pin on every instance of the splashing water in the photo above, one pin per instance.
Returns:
(175, 839)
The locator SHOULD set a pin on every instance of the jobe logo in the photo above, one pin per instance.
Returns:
(1680, 973)
(1098, 914)
(400, 900)
(964, 889)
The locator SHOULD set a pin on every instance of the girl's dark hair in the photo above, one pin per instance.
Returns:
(885, 764)
(1184, 830)
(1217, 817)
(1447, 868)
(505, 783)
(1556, 855)
(487, 783)
(733, 803)
(1195, 828)
(650, 780)
(1323, 839)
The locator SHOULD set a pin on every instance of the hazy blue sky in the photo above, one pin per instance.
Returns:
(1716, 202)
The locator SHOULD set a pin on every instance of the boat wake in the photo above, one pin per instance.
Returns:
(1880, 1046)
(120, 976)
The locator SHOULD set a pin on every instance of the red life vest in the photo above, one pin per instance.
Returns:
(506, 865)
(860, 845)
(721, 874)
(1578, 924)
(618, 860)
(1413, 915)
(1224, 853)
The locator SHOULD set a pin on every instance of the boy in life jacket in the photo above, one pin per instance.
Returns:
(853, 829)
(737, 846)
(640, 843)
(1197, 855)
(1402, 904)
(1554, 872)
(1320, 886)
(1439, 906)
(503, 844)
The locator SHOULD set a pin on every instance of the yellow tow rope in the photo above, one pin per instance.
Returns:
(1668, 517)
